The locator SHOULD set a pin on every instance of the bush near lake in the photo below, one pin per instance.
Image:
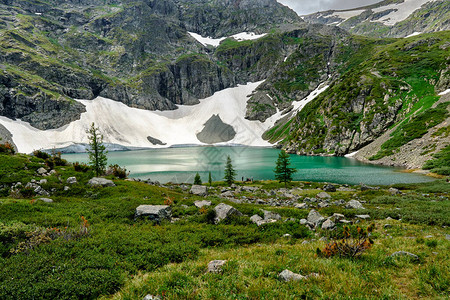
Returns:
(84, 242)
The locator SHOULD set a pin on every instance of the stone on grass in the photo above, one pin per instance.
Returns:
(354, 204)
(394, 191)
(41, 171)
(447, 237)
(328, 224)
(269, 215)
(224, 211)
(153, 212)
(303, 221)
(323, 195)
(71, 180)
(363, 217)
(256, 219)
(151, 297)
(46, 200)
(314, 217)
(215, 266)
(404, 253)
(337, 217)
(43, 181)
(199, 190)
(329, 188)
(301, 205)
(323, 204)
(345, 222)
(287, 275)
(97, 181)
(200, 204)
(227, 194)
(66, 188)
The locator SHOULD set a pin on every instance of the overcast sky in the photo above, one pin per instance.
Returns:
(303, 7)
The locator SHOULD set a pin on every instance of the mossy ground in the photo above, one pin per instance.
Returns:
(123, 258)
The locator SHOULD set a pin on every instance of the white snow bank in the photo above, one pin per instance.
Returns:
(127, 126)
(414, 34)
(347, 14)
(243, 36)
(351, 154)
(444, 92)
(402, 11)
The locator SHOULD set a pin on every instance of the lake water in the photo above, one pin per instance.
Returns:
(179, 165)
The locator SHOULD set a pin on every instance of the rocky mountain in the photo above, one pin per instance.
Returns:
(136, 52)
(389, 18)
(313, 89)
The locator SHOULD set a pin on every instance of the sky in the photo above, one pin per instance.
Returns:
(303, 7)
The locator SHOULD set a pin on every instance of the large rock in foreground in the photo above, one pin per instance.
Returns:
(153, 212)
(199, 190)
(224, 211)
(97, 181)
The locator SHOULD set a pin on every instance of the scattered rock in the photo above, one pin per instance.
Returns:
(323, 204)
(345, 222)
(46, 200)
(151, 297)
(215, 266)
(227, 194)
(363, 217)
(41, 171)
(43, 181)
(323, 239)
(315, 218)
(286, 235)
(329, 188)
(337, 217)
(153, 212)
(301, 205)
(200, 204)
(428, 236)
(328, 224)
(303, 221)
(256, 219)
(71, 180)
(224, 211)
(199, 190)
(268, 215)
(447, 237)
(305, 242)
(287, 275)
(394, 191)
(404, 253)
(323, 195)
(386, 226)
(52, 172)
(366, 187)
(354, 204)
(66, 188)
(97, 181)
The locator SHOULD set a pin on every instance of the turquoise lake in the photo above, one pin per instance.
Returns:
(179, 165)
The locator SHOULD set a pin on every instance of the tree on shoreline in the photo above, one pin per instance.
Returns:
(230, 173)
(283, 171)
(197, 179)
(97, 151)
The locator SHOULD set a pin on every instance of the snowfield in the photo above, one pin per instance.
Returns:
(401, 11)
(130, 127)
(243, 36)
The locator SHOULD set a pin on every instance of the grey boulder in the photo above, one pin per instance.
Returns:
(224, 211)
(153, 212)
(355, 204)
(98, 181)
(215, 266)
(287, 275)
(71, 180)
(314, 217)
(200, 204)
(199, 190)
(328, 224)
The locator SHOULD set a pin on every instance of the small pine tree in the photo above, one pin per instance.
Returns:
(230, 173)
(210, 179)
(282, 171)
(97, 151)
(197, 179)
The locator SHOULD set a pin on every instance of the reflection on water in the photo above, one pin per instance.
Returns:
(180, 165)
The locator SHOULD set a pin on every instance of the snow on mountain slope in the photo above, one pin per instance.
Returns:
(130, 127)
(400, 11)
(243, 36)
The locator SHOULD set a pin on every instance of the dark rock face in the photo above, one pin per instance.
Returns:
(216, 131)
(155, 141)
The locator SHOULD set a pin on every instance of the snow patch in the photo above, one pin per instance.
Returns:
(243, 36)
(414, 34)
(444, 92)
(401, 11)
(130, 127)
(347, 14)
(351, 154)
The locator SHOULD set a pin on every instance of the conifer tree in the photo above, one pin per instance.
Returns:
(230, 173)
(210, 179)
(283, 171)
(197, 179)
(97, 151)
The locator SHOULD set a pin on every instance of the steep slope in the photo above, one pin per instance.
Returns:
(390, 18)
(396, 83)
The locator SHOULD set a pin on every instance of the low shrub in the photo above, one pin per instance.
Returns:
(81, 167)
(350, 244)
(117, 171)
(41, 154)
(7, 148)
